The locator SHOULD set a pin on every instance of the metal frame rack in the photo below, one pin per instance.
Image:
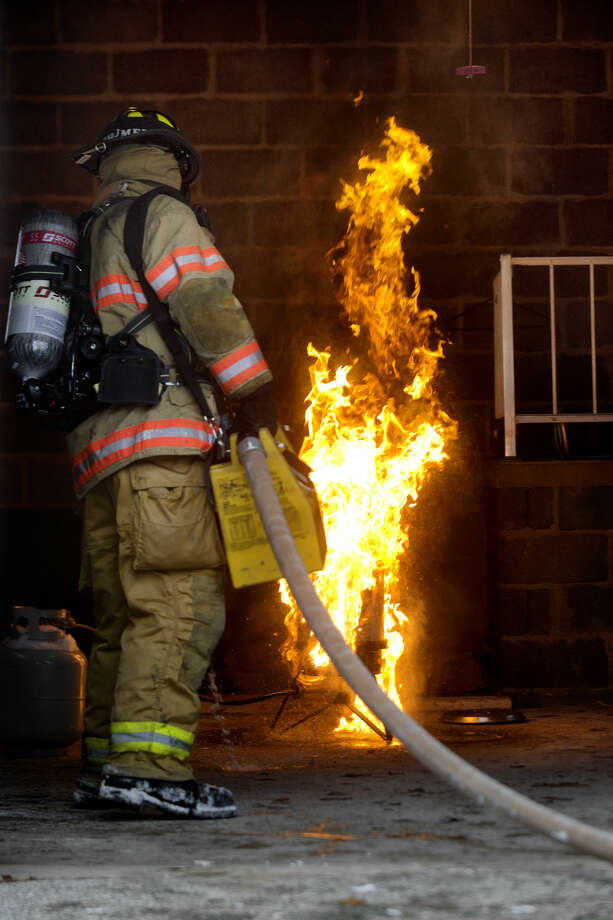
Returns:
(504, 349)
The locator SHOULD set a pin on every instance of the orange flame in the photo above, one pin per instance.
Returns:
(375, 427)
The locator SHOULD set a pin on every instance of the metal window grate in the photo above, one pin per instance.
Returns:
(504, 346)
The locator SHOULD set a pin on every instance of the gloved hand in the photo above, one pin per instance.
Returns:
(256, 411)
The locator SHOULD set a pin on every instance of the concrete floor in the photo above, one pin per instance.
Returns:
(326, 829)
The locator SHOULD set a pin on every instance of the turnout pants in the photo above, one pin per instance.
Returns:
(154, 559)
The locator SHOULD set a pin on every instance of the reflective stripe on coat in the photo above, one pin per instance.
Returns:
(184, 267)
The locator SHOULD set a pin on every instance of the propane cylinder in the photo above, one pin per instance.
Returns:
(42, 684)
(38, 314)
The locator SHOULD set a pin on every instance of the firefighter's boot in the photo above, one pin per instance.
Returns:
(180, 799)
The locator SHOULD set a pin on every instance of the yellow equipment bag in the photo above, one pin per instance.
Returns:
(250, 557)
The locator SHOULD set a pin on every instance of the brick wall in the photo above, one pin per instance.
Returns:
(553, 575)
(265, 89)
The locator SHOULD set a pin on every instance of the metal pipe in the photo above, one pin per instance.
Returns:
(554, 345)
(593, 340)
(430, 752)
(508, 354)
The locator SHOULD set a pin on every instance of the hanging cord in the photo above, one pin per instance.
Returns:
(469, 70)
(470, 33)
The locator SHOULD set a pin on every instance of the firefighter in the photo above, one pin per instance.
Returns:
(152, 554)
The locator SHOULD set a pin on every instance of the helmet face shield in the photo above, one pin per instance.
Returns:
(142, 126)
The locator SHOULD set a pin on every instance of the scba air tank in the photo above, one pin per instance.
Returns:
(42, 684)
(38, 310)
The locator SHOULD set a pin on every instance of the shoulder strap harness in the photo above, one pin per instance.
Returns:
(134, 235)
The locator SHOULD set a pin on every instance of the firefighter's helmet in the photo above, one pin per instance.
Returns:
(140, 126)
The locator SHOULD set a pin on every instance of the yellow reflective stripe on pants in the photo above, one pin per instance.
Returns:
(154, 737)
(97, 749)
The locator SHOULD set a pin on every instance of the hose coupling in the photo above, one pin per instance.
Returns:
(248, 444)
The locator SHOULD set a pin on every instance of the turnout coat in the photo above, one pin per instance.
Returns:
(187, 271)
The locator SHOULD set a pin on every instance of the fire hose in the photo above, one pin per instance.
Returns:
(420, 743)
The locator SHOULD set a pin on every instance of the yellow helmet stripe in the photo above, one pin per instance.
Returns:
(158, 115)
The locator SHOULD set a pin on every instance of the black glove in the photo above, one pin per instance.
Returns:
(256, 411)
